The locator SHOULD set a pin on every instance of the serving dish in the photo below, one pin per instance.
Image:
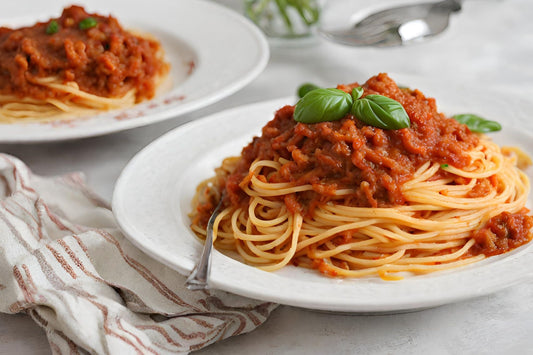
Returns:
(206, 65)
(153, 194)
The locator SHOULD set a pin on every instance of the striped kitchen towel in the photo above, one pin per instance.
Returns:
(64, 262)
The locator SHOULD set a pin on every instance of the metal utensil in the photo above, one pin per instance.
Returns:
(397, 26)
(197, 280)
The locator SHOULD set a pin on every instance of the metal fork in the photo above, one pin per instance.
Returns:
(398, 25)
(197, 279)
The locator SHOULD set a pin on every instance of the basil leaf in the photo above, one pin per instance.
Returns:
(357, 93)
(305, 88)
(53, 27)
(87, 23)
(477, 124)
(321, 105)
(381, 111)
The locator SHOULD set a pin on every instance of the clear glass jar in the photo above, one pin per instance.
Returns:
(284, 19)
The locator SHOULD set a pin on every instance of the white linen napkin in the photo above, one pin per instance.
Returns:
(64, 262)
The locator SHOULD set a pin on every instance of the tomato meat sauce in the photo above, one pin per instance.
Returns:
(502, 233)
(104, 60)
(351, 154)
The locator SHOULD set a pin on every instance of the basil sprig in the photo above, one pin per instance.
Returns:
(305, 88)
(87, 23)
(379, 111)
(319, 105)
(477, 124)
(53, 27)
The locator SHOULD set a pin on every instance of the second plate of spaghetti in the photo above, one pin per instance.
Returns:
(72, 72)
(303, 229)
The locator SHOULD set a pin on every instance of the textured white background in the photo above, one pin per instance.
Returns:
(490, 43)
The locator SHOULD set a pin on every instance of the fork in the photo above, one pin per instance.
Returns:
(197, 279)
(398, 25)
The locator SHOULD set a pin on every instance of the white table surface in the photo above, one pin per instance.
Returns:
(489, 43)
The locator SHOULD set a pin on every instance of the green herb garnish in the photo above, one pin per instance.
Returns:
(477, 124)
(322, 105)
(87, 23)
(305, 88)
(319, 105)
(53, 27)
(444, 166)
(379, 111)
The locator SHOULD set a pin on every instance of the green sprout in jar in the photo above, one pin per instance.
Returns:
(284, 18)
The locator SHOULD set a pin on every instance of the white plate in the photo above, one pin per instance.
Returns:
(213, 52)
(152, 199)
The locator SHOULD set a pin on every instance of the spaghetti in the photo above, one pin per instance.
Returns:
(84, 63)
(352, 200)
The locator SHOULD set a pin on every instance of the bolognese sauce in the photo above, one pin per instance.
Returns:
(92, 50)
(350, 154)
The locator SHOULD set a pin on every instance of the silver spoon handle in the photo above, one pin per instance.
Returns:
(197, 280)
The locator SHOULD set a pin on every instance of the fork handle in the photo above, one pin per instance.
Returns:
(197, 280)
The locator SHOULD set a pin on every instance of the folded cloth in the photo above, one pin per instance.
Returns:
(64, 262)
